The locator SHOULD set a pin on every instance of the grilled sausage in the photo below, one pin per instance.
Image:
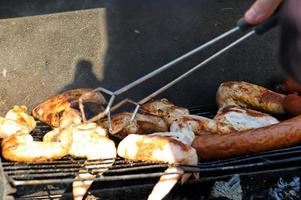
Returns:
(283, 134)
(289, 85)
(292, 104)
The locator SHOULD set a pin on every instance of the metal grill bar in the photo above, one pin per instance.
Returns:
(103, 178)
(58, 195)
(270, 155)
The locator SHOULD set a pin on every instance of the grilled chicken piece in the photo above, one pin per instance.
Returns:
(142, 124)
(19, 115)
(155, 116)
(16, 120)
(200, 125)
(165, 109)
(21, 147)
(160, 147)
(10, 127)
(227, 120)
(50, 111)
(247, 95)
(232, 119)
(89, 141)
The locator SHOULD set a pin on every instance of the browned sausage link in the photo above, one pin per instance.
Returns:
(292, 104)
(290, 85)
(280, 135)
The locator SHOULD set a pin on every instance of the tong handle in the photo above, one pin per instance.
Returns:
(263, 27)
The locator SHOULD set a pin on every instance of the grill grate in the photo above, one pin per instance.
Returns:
(65, 170)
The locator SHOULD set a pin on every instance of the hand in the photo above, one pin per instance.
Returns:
(261, 10)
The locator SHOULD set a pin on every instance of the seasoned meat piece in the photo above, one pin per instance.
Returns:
(200, 125)
(228, 119)
(247, 95)
(292, 104)
(159, 148)
(89, 142)
(165, 109)
(19, 115)
(289, 86)
(232, 119)
(142, 124)
(16, 121)
(21, 147)
(50, 111)
(281, 135)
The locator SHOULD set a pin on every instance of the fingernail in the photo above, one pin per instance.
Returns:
(250, 15)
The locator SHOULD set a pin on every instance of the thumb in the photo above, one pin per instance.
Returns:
(261, 10)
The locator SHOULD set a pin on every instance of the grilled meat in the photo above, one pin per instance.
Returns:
(292, 104)
(200, 125)
(289, 86)
(16, 120)
(247, 95)
(160, 147)
(155, 116)
(19, 115)
(164, 109)
(281, 135)
(91, 147)
(50, 111)
(89, 141)
(232, 119)
(142, 124)
(21, 147)
(227, 120)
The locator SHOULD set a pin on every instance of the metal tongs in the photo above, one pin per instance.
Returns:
(242, 26)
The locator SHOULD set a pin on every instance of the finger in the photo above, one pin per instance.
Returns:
(261, 10)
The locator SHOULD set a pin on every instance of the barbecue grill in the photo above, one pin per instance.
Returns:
(100, 29)
(52, 180)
